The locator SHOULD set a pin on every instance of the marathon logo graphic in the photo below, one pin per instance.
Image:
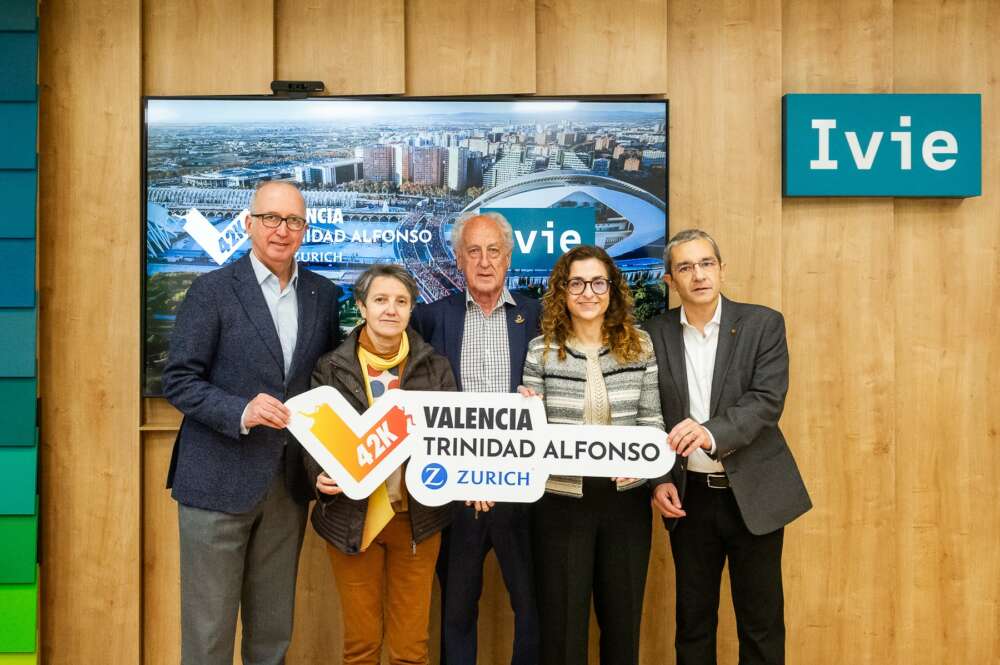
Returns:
(465, 446)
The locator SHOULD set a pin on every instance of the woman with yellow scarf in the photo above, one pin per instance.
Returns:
(383, 548)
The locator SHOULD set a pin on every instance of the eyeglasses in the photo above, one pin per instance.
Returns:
(492, 252)
(273, 221)
(687, 269)
(598, 285)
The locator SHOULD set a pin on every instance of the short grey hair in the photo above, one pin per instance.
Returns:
(457, 241)
(688, 235)
(364, 282)
(261, 184)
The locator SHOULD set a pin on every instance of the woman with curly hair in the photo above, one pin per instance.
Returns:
(591, 536)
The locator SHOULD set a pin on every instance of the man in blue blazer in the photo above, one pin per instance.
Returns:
(246, 339)
(723, 378)
(484, 332)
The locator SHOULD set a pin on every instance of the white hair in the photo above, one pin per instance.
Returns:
(457, 231)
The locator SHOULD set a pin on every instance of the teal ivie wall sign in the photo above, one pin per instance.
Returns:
(882, 145)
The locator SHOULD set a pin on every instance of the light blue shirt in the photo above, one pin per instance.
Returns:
(283, 305)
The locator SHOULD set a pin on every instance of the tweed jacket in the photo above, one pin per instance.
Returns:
(338, 519)
(631, 386)
(224, 351)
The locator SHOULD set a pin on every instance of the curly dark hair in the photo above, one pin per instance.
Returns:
(620, 332)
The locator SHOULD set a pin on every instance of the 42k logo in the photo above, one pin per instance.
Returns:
(219, 245)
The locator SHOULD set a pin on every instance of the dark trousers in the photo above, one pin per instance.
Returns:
(712, 532)
(505, 529)
(595, 546)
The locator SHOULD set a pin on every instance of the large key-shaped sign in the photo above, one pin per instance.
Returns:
(465, 446)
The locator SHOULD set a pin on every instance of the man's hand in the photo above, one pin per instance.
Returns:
(267, 411)
(667, 500)
(481, 506)
(687, 436)
(327, 485)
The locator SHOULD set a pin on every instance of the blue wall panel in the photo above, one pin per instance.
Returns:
(18, 191)
(19, 66)
(17, 273)
(17, 339)
(18, 15)
(19, 123)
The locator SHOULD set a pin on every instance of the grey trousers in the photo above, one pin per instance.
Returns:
(247, 563)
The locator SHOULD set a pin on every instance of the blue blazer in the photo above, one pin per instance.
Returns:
(442, 325)
(223, 352)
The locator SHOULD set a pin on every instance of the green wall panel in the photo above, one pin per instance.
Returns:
(19, 658)
(18, 470)
(17, 339)
(20, 401)
(18, 191)
(18, 617)
(19, 551)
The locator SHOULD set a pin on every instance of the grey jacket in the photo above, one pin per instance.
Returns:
(748, 396)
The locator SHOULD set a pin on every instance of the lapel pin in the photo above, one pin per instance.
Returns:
(518, 319)
(733, 331)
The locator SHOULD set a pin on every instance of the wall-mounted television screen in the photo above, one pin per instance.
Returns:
(384, 181)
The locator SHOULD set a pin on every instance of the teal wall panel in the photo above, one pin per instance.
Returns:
(17, 339)
(20, 401)
(19, 121)
(19, 66)
(18, 472)
(19, 192)
(19, 15)
(17, 272)
(19, 553)
(18, 617)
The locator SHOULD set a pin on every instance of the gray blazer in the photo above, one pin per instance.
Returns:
(748, 396)
(224, 351)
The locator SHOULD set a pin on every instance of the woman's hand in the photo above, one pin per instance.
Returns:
(326, 485)
(525, 391)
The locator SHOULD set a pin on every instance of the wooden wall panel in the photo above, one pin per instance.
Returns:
(89, 68)
(836, 286)
(947, 257)
(207, 47)
(454, 47)
(724, 86)
(161, 559)
(356, 47)
(619, 48)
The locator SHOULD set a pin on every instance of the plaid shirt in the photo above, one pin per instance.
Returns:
(485, 347)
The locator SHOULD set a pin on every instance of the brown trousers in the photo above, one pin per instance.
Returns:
(392, 578)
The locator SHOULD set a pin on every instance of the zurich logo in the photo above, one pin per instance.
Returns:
(434, 476)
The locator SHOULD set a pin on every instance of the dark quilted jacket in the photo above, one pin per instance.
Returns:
(341, 520)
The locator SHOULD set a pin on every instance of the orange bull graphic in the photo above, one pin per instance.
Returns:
(360, 454)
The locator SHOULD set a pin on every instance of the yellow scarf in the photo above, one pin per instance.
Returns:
(380, 509)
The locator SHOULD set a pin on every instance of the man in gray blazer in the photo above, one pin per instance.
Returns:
(723, 378)
(246, 339)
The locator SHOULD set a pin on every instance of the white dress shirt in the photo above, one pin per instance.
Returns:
(284, 307)
(699, 360)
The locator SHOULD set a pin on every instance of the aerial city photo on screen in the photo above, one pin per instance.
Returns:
(384, 181)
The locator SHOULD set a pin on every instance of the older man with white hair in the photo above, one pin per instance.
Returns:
(484, 332)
